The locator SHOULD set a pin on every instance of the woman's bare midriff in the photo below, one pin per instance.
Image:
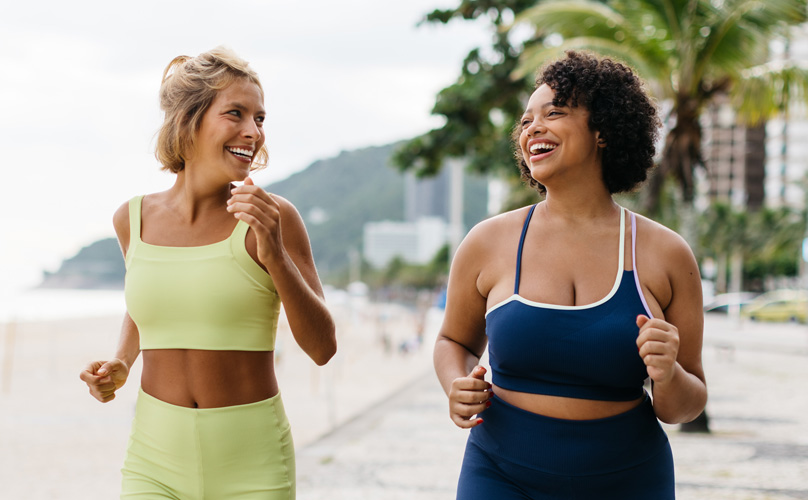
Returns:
(564, 408)
(208, 379)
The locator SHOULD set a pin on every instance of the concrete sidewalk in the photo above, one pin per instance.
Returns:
(406, 447)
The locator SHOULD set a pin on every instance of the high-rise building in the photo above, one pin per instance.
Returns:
(760, 165)
(734, 155)
(787, 136)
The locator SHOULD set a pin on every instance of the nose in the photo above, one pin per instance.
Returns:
(251, 130)
(536, 127)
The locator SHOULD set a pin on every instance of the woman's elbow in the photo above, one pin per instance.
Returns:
(327, 348)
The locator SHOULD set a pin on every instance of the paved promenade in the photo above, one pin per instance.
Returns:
(373, 423)
(406, 448)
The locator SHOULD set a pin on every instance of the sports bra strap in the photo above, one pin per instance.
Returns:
(134, 218)
(519, 253)
(622, 246)
(634, 265)
(633, 242)
(134, 226)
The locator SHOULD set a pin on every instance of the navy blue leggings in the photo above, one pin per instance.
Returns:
(516, 454)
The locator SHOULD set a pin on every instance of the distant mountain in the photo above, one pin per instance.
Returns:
(336, 197)
(98, 265)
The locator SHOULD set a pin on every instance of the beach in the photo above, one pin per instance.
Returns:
(373, 423)
(57, 442)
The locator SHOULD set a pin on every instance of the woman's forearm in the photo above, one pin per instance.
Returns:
(311, 323)
(129, 342)
(680, 399)
(452, 361)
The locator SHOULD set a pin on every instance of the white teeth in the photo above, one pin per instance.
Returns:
(536, 148)
(242, 152)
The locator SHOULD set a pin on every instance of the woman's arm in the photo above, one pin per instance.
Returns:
(461, 340)
(283, 249)
(105, 377)
(671, 347)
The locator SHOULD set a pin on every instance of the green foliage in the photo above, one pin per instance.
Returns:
(404, 275)
(769, 240)
(689, 51)
(481, 107)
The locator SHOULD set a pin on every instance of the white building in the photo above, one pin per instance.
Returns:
(787, 137)
(758, 166)
(414, 242)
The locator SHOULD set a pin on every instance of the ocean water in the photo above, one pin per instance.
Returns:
(51, 304)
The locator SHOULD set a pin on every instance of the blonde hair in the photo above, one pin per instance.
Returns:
(189, 86)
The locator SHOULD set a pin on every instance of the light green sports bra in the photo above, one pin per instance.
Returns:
(212, 297)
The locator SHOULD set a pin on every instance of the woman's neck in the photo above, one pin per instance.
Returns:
(192, 195)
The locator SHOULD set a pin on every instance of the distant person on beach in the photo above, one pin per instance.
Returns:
(579, 301)
(208, 266)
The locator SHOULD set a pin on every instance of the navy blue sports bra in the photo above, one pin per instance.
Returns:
(586, 352)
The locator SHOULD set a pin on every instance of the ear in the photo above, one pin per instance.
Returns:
(601, 142)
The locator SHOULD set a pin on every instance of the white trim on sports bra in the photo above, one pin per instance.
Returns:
(615, 287)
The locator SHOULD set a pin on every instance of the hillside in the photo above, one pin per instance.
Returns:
(335, 196)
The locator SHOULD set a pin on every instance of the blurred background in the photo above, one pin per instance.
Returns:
(389, 128)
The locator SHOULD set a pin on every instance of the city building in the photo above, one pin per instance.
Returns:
(414, 242)
(763, 165)
(433, 211)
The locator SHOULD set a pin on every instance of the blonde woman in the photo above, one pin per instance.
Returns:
(208, 266)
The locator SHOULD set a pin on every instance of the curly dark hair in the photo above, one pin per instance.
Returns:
(619, 109)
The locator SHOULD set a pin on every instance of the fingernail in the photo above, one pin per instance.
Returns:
(479, 421)
(488, 404)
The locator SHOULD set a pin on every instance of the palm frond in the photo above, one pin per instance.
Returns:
(534, 57)
(765, 90)
(737, 33)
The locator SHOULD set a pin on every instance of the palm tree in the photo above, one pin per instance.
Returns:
(716, 239)
(688, 51)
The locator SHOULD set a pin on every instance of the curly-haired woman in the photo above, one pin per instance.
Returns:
(579, 302)
(207, 267)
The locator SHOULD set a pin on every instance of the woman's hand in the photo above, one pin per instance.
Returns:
(104, 378)
(469, 396)
(658, 343)
(262, 212)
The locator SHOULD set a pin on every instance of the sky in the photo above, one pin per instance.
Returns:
(79, 110)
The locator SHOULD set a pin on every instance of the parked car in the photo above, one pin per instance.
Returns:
(780, 305)
(722, 302)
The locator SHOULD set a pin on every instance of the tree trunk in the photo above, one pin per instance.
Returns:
(681, 154)
(721, 274)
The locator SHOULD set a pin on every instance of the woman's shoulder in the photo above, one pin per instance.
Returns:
(659, 236)
(496, 231)
(666, 247)
(288, 212)
(120, 219)
(501, 223)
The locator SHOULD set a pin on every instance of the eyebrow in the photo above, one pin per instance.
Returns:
(548, 104)
(242, 107)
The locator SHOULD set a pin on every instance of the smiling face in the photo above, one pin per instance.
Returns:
(231, 132)
(556, 141)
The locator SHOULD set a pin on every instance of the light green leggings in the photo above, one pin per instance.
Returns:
(243, 452)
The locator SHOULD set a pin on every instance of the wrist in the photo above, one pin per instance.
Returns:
(671, 380)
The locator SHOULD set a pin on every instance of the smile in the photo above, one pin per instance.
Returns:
(542, 147)
(243, 153)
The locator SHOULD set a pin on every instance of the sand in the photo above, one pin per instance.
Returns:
(57, 442)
